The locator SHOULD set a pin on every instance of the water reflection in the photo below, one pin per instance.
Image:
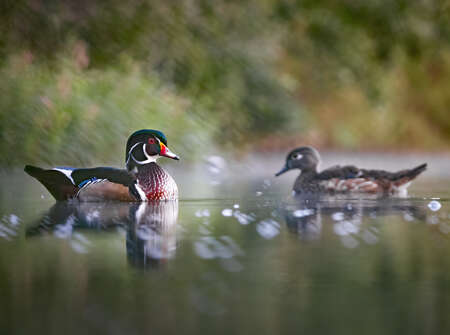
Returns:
(149, 227)
(353, 220)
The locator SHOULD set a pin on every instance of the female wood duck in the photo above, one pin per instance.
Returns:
(143, 179)
(344, 179)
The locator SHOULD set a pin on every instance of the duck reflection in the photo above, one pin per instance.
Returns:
(306, 217)
(149, 227)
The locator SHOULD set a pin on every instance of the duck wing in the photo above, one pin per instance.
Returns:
(340, 172)
(66, 183)
(351, 178)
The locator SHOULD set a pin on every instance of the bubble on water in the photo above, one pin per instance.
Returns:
(233, 245)
(344, 228)
(408, 217)
(236, 206)
(258, 193)
(215, 164)
(227, 212)
(350, 227)
(14, 219)
(349, 207)
(268, 228)
(338, 216)
(65, 230)
(369, 237)
(202, 213)
(81, 238)
(42, 196)
(349, 242)
(243, 218)
(202, 250)
(339, 229)
(434, 205)
(208, 247)
(78, 247)
(299, 213)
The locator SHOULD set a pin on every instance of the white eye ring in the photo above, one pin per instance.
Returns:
(297, 156)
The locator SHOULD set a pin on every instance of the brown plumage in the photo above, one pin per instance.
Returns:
(343, 179)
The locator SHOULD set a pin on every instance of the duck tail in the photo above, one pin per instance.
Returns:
(60, 187)
(413, 173)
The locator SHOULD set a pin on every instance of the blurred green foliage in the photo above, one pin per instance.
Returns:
(266, 74)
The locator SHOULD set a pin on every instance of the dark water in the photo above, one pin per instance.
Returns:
(249, 260)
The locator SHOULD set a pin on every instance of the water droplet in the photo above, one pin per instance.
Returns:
(81, 238)
(369, 237)
(340, 230)
(349, 242)
(338, 216)
(243, 219)
(203, 251)
(78, 247)
(215, 164)
(227, 212)
(299, 213)
(408, 217)
(14, 219)
(434, 205)
(268, 228)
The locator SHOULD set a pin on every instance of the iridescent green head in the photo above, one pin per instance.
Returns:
(146, 146)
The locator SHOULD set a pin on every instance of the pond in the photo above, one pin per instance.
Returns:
(235, 256)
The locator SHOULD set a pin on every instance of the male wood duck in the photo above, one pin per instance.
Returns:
(142, 180)
(344, 179)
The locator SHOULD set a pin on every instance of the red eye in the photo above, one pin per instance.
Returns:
(151, 141)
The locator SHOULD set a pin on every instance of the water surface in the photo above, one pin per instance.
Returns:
(246, 259)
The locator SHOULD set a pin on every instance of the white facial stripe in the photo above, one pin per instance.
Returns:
(149, 159)
(297, 156)
(130, 151)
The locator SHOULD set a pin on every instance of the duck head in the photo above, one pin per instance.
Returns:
(146, 146)
(303, 158)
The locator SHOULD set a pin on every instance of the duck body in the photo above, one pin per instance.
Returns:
(345, 179)
(142, 180)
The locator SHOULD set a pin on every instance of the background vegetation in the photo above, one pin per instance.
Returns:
(77, 77)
